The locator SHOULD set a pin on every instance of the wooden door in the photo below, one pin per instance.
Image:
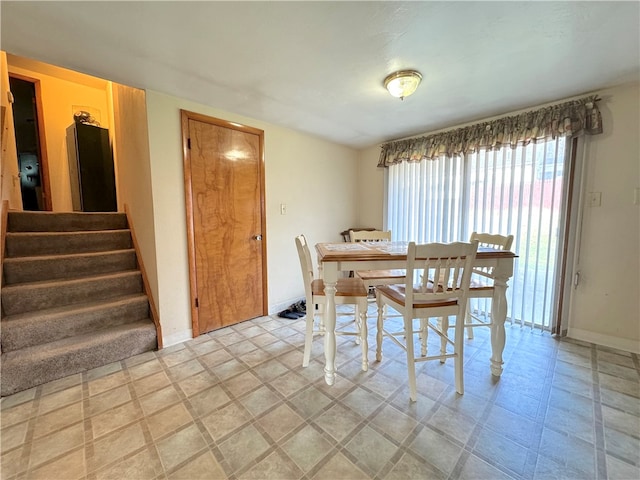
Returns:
(224, 188)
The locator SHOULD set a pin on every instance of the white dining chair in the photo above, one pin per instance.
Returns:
(482, 279)
(451, 264)
(349, 291)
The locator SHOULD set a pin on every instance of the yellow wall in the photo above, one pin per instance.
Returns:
(315, 178)
(59, 97)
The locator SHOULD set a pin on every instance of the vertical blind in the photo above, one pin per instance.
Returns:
(517, 191)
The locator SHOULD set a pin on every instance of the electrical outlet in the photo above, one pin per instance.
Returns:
(283, 209)
(594, 199)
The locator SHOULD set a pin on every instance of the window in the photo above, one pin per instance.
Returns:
(508, 191)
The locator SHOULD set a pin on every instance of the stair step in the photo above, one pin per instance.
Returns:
(64, 222)
(49, 267)
(42, 295)
(26, 330)
(28, 244)
(72, 298)
(28, 367)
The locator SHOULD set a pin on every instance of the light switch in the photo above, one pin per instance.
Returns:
(594, 199)
(636, 196)
(283, 209)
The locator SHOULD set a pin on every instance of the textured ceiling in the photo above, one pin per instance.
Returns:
(318, 67)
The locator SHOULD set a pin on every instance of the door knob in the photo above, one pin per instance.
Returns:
(257, 237)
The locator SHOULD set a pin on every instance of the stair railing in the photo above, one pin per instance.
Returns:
(145, 281)
(4, 216)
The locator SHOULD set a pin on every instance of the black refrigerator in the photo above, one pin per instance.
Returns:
(91, 173)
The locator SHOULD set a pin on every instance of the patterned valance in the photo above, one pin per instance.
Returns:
(576, 117)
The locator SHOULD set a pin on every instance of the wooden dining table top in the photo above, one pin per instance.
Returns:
(366, 251)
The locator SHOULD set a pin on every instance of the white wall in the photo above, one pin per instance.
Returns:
(606, 305)
(605, 308)
(371, 189)
(315, 178)
(59, 97)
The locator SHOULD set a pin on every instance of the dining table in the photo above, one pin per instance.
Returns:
(334, 258)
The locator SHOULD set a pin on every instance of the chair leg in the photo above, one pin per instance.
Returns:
(469, 320)
(308, 337)
(379, 327)
(361, 310)
(411, 366)
(458, 349)
(424, 336)
(358, 320)
(443, 324)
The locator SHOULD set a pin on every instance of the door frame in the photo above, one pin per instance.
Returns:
(42, 142)
(185, 116)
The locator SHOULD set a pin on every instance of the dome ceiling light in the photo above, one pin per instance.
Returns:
(403, 83)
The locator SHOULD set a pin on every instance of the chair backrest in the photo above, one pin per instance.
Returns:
(370, 236)
(491, 240)
(500, 242)
(306, 265)
(449, 263)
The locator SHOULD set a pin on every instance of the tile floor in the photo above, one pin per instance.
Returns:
(237, 404)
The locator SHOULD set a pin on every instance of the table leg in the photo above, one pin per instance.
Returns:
(499, 316)
(330, 275)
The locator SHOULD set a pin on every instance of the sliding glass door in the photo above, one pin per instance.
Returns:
(517, 191)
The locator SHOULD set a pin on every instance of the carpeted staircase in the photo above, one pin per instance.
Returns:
(72, 297)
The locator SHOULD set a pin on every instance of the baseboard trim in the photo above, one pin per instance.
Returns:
(185, 335)
(618, 343)
(176, 338)
(278, 307)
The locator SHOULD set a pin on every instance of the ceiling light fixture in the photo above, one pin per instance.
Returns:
(403, 83)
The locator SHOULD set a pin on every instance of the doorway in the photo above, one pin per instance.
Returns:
(30, 143)
(224, 192)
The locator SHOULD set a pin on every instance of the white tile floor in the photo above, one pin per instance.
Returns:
(237, 404)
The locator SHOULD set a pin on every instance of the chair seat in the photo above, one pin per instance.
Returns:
(397, 294)
(346, 287)
(368, 275)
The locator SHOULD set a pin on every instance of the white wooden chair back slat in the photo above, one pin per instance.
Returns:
(446, 262)
(370, 236)
(443, 273)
